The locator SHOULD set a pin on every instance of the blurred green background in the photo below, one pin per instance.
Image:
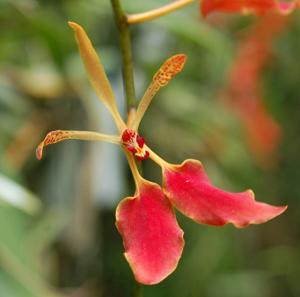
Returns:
(57, 233)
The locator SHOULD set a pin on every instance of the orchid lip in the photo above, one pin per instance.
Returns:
(135, 144)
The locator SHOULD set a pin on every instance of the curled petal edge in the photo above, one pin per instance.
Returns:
(60, 135)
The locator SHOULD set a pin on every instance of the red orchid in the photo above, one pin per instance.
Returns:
(152, 238)
(247, 6)
(243, 93)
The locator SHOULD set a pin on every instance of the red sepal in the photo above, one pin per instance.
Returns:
(234, 6)
(135, 144)
(189, 189)
(152, 239)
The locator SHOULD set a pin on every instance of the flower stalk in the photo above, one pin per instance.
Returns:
(157, 12)
(125, 44)
(129, 88)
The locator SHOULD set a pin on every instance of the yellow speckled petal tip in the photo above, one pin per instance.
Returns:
(162, 77)
(61, 135)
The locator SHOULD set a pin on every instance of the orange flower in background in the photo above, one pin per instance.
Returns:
(247, 6)
(152, 239)
(243, 92)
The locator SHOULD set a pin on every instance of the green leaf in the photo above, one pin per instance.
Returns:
(16, 195)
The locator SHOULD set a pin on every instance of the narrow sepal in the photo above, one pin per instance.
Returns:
(61, 135)
(96, 72)
(52, 138)
(189, 189)
(152, 239)
(170, 68)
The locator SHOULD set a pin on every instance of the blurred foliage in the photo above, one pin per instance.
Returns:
(57, 233)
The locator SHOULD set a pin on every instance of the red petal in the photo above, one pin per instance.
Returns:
(190, 190)
(140, 140)
(152, 239)
(232, 6)
(262, 130)
(287, 7)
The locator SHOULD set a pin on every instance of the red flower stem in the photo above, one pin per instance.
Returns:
(138, 291)
(124, 35)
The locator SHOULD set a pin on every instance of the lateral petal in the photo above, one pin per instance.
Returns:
(190, 191)
(60, 135)
(152, 239)
(169, 69)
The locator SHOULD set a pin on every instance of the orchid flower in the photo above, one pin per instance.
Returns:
(248, 6)
(243, 93)
(152, 238)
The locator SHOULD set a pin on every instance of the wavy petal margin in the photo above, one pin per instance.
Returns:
(190, 191)
(152, 239)
(247, 6)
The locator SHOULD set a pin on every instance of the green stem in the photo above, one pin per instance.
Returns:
(138, 292)
(131, 102)
(123, 27)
